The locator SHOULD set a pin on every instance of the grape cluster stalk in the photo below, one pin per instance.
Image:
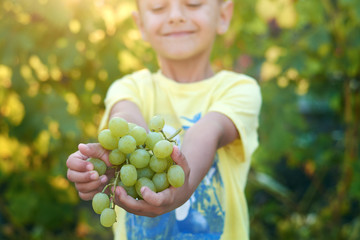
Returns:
(140, 158)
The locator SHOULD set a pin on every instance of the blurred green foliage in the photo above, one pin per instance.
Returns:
(57, 59)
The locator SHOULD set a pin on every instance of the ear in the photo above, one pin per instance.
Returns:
(139, 23)
(226, 12)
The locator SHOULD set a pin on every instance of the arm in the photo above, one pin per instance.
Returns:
(200, 143)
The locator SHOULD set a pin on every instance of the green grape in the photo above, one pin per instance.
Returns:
(156, 123)
(100, 201)
(139, 133)
(170, 162)
(118, 126)
(131, 126)
(144, 182)
(140, 158)
(116, 157)
(163, 149)
(127, 144)
(176, 176)
(108, 217)
(107, 140)
(129, 190)
(160, 181)
(145, 172)
(152, 138)
(99, 165)
(158, 164)
(128, 175)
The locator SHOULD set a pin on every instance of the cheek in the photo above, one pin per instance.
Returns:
(206, 20)
(152, 27)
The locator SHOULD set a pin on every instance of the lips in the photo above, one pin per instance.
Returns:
(178, 33)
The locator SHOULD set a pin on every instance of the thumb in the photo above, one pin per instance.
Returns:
(179, 158)
(95, 150)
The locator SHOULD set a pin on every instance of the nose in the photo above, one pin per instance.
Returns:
(176, 14)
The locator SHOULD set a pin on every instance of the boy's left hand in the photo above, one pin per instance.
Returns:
(155, 204)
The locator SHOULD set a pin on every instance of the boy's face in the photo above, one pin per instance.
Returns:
(181, 29)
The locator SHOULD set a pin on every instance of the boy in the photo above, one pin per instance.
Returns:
(219, 115)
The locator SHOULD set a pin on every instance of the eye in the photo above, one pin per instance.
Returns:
(157, 7)
(194, 4)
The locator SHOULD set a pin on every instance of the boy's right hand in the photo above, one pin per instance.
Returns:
(82, 173)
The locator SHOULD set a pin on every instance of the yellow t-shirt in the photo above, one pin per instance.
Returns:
(218, 208)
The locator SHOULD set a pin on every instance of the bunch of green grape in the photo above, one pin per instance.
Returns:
(140, 158)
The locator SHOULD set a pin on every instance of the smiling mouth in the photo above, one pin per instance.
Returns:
(178, 34)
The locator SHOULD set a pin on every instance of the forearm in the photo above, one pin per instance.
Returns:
(129, 111)
(201, 142)
(199, 148)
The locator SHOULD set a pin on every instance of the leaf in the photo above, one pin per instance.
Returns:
(271, 185)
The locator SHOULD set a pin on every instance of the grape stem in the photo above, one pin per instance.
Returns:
(170, 139)
(108, 185)
(112, 194)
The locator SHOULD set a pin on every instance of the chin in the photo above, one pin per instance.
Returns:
(179, 51)
(180, 55)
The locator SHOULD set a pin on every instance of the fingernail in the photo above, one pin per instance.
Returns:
(87, 147)
(103, 179)
(89, 167)
(94, 175)
(84, 146)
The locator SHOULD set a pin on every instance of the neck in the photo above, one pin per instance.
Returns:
(186, 71)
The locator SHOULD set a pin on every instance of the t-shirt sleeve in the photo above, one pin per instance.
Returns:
(241, 102)
(122, 89)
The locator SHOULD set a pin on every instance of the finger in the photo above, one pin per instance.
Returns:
(87, 196)
(130, 204)
(95, 150)
(91, 186)
(121, 197)
(76, 162)
(160, 199)
(179, 158)
(83, 177)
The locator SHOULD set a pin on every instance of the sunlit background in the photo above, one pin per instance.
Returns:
(57, 59)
